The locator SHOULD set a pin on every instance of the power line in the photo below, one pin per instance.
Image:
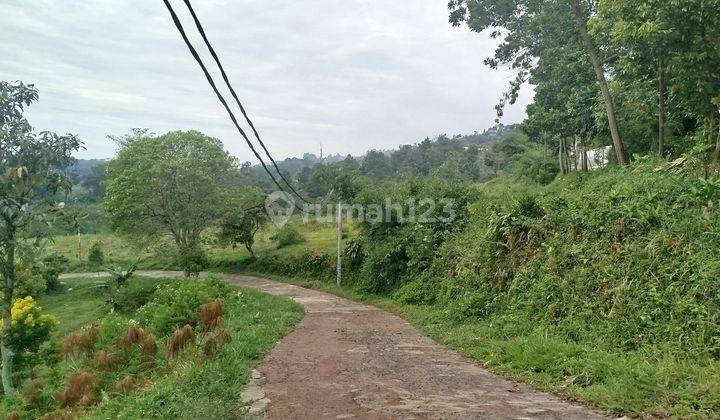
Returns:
(210, 80)
(237, 100)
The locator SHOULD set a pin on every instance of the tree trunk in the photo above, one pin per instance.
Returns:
(8, 289)
(562, 154)
(711, 134)
(662, 88)
(581, 26)
(250, 250)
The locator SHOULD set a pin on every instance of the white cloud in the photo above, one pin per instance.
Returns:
(352, 74)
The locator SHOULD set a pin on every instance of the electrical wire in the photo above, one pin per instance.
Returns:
(220, 97)
(235, 96)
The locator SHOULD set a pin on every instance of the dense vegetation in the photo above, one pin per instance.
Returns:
(582, 253)
(137, 361)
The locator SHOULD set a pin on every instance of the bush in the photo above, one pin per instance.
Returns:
(176, 304)
(137, 293)
(286, 236)
(96, 256)
(192, 261)
(383, 269)
(53, 266)
(29, 328)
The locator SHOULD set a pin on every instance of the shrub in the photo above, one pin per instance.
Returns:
(286, 236)
(180, 339)
(192, 261)
(31, 392)
(80, 342)
(121, 276)
(384, 268)
(176, 304)
(82, 390)
(106, 361)
(29, 328)
(53, 266)
(137, 293)
(210, 315)
(96, 256)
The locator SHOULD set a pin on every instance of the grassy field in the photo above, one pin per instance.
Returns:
(158, 253)
(78, 306)
(193, 385)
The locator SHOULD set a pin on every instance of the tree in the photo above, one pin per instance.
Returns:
(176, 184)
(531, 27)
(30, 177)
(376, 164)
(245, 216)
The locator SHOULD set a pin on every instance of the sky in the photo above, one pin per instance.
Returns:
(352, 75)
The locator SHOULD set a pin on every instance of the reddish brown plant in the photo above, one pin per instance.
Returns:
(80, 342)
(210, 347)
(106, 361)
(179, 340)
(133, 335)
(211, 315)
(126, 384)
(81, 390)
(149, 347)
(223, 337)
(30, 392)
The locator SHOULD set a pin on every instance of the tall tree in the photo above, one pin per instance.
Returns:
(527, 27)
(176, 184)
(30, 176)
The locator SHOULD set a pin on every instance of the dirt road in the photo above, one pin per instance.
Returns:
(347, 360)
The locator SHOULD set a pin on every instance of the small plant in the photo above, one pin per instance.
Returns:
(211, 315)
(121, 276)
(105, 361)
(80, 342)
(29, 327)
(127, 384)
(53, 266)
(286, 236)
(132, 336)
(31, 392)
(179, 340)
(81, 390)
(96, 256)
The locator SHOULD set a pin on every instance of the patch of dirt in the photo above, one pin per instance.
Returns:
(347, 360)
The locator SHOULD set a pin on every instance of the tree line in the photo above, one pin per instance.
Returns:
(640, 75)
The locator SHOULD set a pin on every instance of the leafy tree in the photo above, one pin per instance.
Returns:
(534, 26)
(376, 164)
(246, 215)
(174, 184)
(30, 176)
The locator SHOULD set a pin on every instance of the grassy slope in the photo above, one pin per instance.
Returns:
(634, 383)
(195, 389)
(645, 380)
(76, 307)
(211, 389)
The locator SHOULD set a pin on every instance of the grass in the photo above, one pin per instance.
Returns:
(192, 386)
(210, 389)
(157, 254)
(633, 383)
(77, 306)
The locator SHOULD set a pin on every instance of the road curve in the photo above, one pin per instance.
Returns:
(348, 360)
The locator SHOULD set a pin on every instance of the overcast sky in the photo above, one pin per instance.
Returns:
(351, 74)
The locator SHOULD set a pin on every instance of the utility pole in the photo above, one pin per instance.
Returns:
(339, 243)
